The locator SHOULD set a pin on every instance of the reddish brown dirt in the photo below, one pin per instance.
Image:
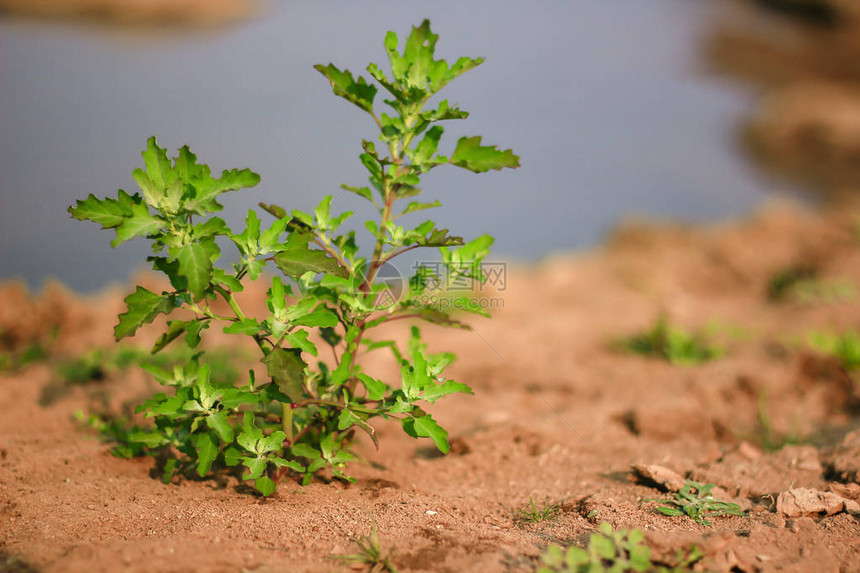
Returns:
(557, 416)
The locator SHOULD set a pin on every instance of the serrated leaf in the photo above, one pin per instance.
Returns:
(143, 307)
(297, 258)
(346, 419)
(375, 388)
(286, 368)
(415, 206)
(218, 422)
(139, 224)
(426, 148)
(265, 486)
(232, 456)
(471, 155)
(432, 392)
(299, 339)
(321, 316)
(360, 191)
(256, 467)
(207, 451)
(358, 92)
(195, 264)
(246, 326)
(426, 427)
(108, 213)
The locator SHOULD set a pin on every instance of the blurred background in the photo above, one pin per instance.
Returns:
(674, 109)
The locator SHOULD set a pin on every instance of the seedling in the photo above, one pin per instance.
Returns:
(845, 346)
(801, 285)
(616, 551)
(696, 501)
(370, 555)
(534, 513)
(672, 344)
(302, 418)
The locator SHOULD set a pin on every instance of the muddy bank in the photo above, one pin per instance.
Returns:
(558, 415)
(804, 55)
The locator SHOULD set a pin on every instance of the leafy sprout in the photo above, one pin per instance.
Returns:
(534, 513)
(302, 418)
(370, 554)
(672, 344)
(696, 501)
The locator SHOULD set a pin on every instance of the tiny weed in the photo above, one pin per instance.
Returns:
(801, 285)
(696, 501)
(845, 346)
(534, 513)
(370, 555)
(612, 551)
(671, 344)
(782, 283)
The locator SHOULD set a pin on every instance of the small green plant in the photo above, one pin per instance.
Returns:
(303, 417)
(672, 344)
(845, 347)
(802, 285)
(533, 513)
(370, 555)
(101, 363)
(696, 501)
(613, 552)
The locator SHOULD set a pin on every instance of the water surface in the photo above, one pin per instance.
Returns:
(604, 102)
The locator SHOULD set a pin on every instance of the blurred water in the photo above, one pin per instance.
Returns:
(603, 101)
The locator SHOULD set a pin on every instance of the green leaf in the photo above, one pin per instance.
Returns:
(471, 155)
(256, 467)
(346, 419)
(247, 326)
(432, 392)
(218, 422)
(207, 451)
(360, 191)
(286, 368)
(321, 316)
(143, 307)
(426, 427)
(175, 329)
(195, 264)
(375, 388)
(297, 258)
(108, 213)
(415, 206)
(305, 451)
(426, 148)
(344, 85)
(274, 210)
(139, 224)
(265, 485)
(169, 470)
(299, 339)
(232, 456)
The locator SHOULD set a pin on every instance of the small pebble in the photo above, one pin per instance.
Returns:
(430, 512)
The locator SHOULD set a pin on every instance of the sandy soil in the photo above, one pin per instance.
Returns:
(557, 416)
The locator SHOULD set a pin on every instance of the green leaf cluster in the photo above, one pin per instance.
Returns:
(611, 551)
(696, 501)
(672, 344)
(303, 417)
